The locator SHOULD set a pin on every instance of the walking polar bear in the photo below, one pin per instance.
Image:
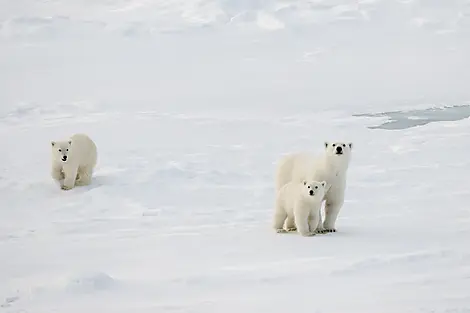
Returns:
(73, 161)
(331, 166)
(298, 205)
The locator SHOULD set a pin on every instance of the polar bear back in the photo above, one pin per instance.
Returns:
(297, 167)
(83, 151)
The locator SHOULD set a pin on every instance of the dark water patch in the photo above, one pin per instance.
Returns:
(407, 119)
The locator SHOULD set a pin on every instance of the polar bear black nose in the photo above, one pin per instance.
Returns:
(64, 158)
(311, 192)
(339, 149)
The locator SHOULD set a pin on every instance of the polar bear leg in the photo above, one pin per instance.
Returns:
(70, 177)
(301, 221)
(84, 176)
(313, 219)
(57, 173)
(320, 229)
(332, 209)
(280, 216)
(290, 224)
(283, 172)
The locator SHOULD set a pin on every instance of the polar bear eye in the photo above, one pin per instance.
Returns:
(316, 187)
(308, 187)
(60, 150)
(67, 150)
(344, 146)
(334, 145)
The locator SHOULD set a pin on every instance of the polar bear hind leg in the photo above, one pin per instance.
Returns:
(284, 171)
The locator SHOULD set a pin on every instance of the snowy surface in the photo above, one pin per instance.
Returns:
(191, 103)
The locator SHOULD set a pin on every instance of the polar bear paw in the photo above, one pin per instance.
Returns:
(281, 231)
(291, 229)
(308, 234)
(64, 187)
(330, 230)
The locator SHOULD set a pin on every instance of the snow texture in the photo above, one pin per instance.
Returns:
(205, 96)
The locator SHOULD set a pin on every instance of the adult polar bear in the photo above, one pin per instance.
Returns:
(73, 161)
(331, 166)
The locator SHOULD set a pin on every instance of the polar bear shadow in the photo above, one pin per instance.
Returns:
(97, 182)
(105, 178)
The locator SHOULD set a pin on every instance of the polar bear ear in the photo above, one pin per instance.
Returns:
(323, 183)
(70, 142)
(53, 143)
(305, 182)
(350, 145)
(326, 144)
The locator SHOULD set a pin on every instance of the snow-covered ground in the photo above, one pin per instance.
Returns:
(191, 103)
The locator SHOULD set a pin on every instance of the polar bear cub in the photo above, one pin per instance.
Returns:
(73, 161)
(299, 204)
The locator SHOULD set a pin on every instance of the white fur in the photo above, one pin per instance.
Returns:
(329, 167)
(77, 169)
(299, 204)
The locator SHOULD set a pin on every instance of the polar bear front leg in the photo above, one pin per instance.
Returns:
(313, 219)
(83, 177)
(320, 229)
(56, 173)
(301, 220)
(280, 216)
(290, 224)
(332, 208)
(70, 177)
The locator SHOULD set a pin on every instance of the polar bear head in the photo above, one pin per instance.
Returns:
(60, 150)
(339, 152)
(314, 189)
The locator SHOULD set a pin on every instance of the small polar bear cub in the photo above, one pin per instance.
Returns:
(73, 161)
(299, 204)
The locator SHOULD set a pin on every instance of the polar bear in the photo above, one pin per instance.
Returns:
(299, 204)
(73, 161)
(331, 166)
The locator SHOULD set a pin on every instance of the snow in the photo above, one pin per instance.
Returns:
(191, 104)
